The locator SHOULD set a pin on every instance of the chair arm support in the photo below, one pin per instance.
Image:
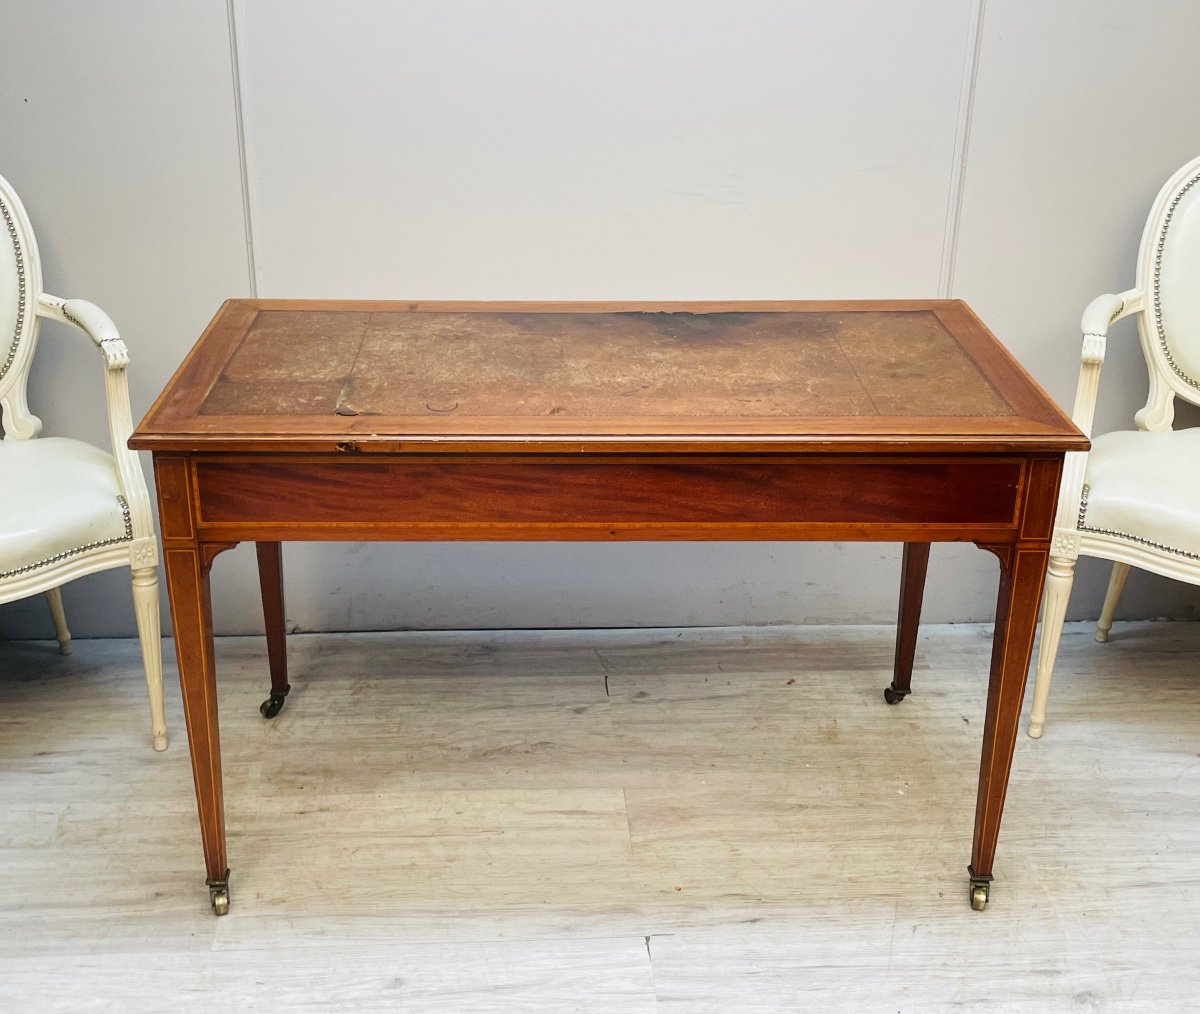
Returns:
(93, 322)
(1100, 314)
(98, 326)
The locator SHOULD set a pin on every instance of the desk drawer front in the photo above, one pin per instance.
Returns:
(557, 496)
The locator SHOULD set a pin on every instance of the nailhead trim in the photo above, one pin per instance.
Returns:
(16, 242)
(1158, 258)
(127, 537)
(1125, 535)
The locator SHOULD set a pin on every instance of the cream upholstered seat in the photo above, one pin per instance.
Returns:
(42, 513)
(1135, 497)
(1138, 486)
(67, 508)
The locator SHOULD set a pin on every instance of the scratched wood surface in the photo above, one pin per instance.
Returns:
(274, 371)
(700, 821)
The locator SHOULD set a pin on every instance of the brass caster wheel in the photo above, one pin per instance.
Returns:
(273, 704)
(981, 887)
(218, 895)
(894, 696)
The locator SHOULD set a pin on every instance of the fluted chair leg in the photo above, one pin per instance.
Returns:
(145, 608)
(1059, 578)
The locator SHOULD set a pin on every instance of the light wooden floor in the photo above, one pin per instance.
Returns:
(669, 820)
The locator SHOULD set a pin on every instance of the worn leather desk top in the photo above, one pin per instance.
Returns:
(800, 376)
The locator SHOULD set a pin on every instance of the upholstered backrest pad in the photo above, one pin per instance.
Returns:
(1176, 295)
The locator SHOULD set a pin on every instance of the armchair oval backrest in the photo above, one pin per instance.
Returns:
(20, 286)
(1169, 276)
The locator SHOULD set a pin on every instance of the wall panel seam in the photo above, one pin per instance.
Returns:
(243, 167)
(962, 141)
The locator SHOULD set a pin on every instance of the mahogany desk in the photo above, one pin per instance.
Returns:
(880, 421)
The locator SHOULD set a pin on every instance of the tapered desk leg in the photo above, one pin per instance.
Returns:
(1022, 573)
(270, 581)
(912, 592)
(191, 618)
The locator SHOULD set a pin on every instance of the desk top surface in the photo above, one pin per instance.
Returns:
(797, 376)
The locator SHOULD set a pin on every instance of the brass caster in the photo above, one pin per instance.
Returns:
(894, 696)
(273, 704)
(218, 895)
(981, 887)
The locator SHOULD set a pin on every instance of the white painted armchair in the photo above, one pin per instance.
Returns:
(1135, 497)
(68, 508)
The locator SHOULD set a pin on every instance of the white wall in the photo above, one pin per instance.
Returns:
(667, 149)
(536, 149)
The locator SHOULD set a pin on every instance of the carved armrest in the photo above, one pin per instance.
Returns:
(1101, 313)
(93, 322)
(98, 326)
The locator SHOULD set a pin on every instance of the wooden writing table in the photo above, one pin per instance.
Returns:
(869, 421)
